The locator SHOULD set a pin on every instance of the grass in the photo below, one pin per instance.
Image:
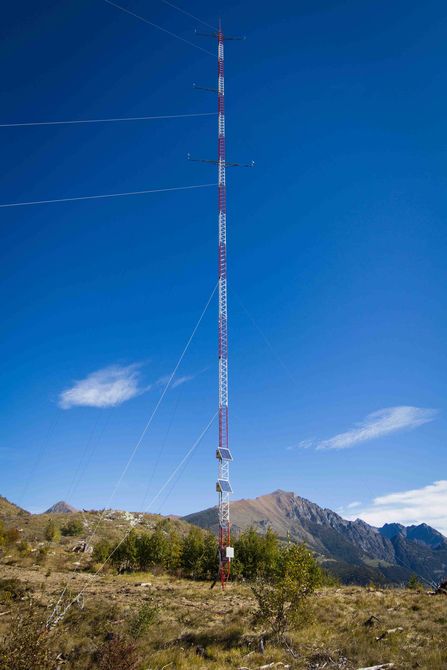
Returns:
(194, 627)
(183, 625)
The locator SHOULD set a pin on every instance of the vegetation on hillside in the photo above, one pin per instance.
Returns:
(194, 555)
(144, 621)
(281, 594)
(151, 606)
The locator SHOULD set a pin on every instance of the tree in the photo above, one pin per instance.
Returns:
(192, 552)
(248, 552)
(271, 552)
(280, 596)
(175, 551)
(125, 554)
(159, 547)
(144, 551)
(256, 555)
(208, 562)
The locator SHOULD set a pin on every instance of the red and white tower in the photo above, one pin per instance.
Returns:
(223, 454)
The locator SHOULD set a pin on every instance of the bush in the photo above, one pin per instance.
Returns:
(11, 536)
(26, 645)
(72, 527)
(280, 596)
(42, 555)
(24, 548)
(11, 589)
(52, 532)
(102, 551)
(145, 617)
(117, 653)
(415, 583)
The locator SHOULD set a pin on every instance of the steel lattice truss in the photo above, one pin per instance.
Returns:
(223, 485)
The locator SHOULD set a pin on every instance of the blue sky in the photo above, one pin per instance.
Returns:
(337, 250)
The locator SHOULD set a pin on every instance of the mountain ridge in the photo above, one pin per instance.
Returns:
(8, 507)
(391, 553)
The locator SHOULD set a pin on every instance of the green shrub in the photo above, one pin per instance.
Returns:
(255, 554)
(415, 583)
(23, 548)
(153, 549)
(199, 554)
(145, 617)
(175, 551)
(42, 555)
(102, 551)
(52, 532)
(328, 579)
(72, 527)
(280, 596)
(125, 552)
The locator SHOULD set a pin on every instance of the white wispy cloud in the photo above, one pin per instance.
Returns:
(304, 444)
(379, 424)
(107, 387)
(424, 505)
(353, 504)
(178, 381)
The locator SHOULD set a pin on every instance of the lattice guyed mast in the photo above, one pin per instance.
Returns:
(223, 454)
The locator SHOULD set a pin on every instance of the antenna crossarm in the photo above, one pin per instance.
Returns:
(213, 161)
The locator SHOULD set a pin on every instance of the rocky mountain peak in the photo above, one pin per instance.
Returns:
(355, 549)
(61, 507)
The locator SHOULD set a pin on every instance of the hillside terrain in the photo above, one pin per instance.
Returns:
(190, 627)
(99, 524)
(353, 550)
(156, 620)
(9, 509)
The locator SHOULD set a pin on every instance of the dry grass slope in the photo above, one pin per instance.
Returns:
(195, 627)
(175, 624)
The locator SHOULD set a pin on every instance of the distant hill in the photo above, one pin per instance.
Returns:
(61, 507)
(353, 550)
(9, 508)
